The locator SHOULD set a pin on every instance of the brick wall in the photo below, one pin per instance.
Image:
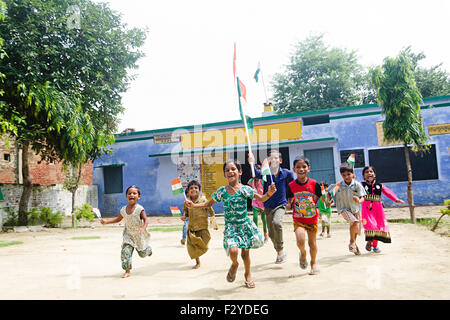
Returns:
(41, 172)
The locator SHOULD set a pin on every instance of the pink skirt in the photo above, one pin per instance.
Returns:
(374, 222)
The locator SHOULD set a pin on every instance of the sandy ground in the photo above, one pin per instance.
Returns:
(52, 265)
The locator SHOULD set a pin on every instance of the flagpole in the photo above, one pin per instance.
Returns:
(264, 86)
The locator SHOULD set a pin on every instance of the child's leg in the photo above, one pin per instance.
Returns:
(312, 248)
(255, 215)
(300, 235)
(145, 253)
(184, 232)
(264, 222)
(125, 256)
(245, 255)
(197, 263)
(234, 251)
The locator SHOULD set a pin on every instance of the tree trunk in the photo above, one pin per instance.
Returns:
(27, 187)
(74, 191)
(410, 191)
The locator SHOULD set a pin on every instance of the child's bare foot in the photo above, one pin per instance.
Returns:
(126, 274)
(196, 266)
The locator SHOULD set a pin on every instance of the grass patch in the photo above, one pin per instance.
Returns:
(166, 229)
(10, 243)
(442, 229)
(85, 238)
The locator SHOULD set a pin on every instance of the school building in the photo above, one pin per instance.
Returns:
(152, 159)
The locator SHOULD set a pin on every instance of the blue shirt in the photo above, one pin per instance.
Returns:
(281, 182)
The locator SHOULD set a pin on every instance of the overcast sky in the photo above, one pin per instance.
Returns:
(186, 77)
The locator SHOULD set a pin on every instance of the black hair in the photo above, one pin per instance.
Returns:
(275, 151)
(236, 163)
(324, 183)
(302, 158)
(193, 183)
(345, 167)
(367, 168)
(135, 187)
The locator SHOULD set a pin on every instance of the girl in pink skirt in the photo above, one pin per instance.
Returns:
(374, 221)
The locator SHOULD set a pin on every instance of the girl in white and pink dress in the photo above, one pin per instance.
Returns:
(374, 221)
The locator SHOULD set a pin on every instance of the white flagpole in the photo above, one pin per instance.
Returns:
(262, 79)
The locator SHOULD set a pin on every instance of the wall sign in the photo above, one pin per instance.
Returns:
(436, 129)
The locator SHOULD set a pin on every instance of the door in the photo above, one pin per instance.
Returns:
(322, 165)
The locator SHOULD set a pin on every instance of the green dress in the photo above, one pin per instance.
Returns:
(240, 231)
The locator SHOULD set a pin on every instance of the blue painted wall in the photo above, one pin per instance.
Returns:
(154, 174)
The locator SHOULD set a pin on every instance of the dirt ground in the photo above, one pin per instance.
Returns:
(52, 265)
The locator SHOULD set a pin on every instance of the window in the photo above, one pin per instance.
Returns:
(308, 121)
(391, 166)
(113, 179)
(359, 157)
(7, 157)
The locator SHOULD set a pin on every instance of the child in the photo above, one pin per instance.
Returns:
(324, 211)
(185, 218)
(240, 231)
(303, 194)
(373, 217)
(349, 195)
(135, 235)
(258, 206)
(198, 235)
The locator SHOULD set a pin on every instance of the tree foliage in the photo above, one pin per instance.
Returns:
(319, 77)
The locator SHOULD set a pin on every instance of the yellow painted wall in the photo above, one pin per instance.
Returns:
(236, 136)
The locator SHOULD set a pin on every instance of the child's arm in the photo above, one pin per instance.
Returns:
(143, 217)
(267, 195)
(391, 195)
(115, 220)
(206, 204)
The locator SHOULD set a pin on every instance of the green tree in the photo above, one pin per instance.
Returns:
(400, 100)
(319, 77)
(67, 64)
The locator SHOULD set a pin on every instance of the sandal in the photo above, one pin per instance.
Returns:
(281, 259)
(314, 272)
(369, 246)
(354, 248)
(303, 264)
(376, 250)
(230, 275)
(250, 284)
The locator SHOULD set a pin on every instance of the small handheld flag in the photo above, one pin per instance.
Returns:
(265, 170)
(175, 211)
(257, 72)
(97, 212)
(336, 189)
(351, 159)
(177, 187)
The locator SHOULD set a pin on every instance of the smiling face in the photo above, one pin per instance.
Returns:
(369, 175)
(133, 195)
(347, 176)
(193, 191)
(275, 160)
(302, 169)
(232, 173)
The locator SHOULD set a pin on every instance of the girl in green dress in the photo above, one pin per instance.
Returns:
(240, 231)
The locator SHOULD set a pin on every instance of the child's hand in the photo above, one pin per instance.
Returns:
(272, 190)
(289, 204)
(102, 221)
(183, 218)
(140, 230)
(399, 201)
(356, 199)
(251, 158)
(189, 203)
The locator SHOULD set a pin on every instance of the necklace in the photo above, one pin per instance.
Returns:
(234, 189)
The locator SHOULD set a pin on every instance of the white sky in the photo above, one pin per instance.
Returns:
(186, 77)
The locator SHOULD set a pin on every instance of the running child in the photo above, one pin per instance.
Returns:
(374, 220)
(198, 235)
(324, 210)
(258, 206)
(303, 194)
(135, 235)
(240, 231)
(349, 195)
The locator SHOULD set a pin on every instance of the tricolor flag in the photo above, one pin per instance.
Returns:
(97, 212)
(175, 211)
(242, 92)
(177, 188)
(265, 170)
(351, 159)
(258, 70)
(322, 188)
(336, 189)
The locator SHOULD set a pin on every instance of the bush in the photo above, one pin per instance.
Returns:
(12, 218)
(84, 212)
(50, 218)
(35, 217)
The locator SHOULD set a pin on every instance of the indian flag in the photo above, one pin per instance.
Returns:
(177, 188)
(175, 211)
(336, 189)
(256, 76)
(351, 159)
(97, 212)
(265, 170)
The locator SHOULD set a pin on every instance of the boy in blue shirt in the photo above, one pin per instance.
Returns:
(275, 207)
